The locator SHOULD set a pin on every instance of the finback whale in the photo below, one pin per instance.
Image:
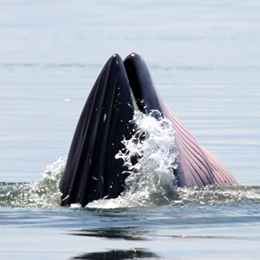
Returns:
(92, 172)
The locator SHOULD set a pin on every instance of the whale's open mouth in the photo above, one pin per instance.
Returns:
(92, 172)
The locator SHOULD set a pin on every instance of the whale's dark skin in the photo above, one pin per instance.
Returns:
(92, 172)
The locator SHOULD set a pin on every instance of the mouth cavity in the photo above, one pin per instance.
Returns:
(135, 87)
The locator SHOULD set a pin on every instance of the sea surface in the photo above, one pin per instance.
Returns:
(204, 57)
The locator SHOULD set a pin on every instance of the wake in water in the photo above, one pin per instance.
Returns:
(151, 181)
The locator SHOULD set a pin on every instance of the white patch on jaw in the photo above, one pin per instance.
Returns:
(105, 117)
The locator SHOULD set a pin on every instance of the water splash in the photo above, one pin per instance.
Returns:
(42, 194)
(46, 194)
(150, 156)
(151, 181)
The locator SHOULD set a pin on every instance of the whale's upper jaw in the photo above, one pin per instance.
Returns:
(141, 84)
